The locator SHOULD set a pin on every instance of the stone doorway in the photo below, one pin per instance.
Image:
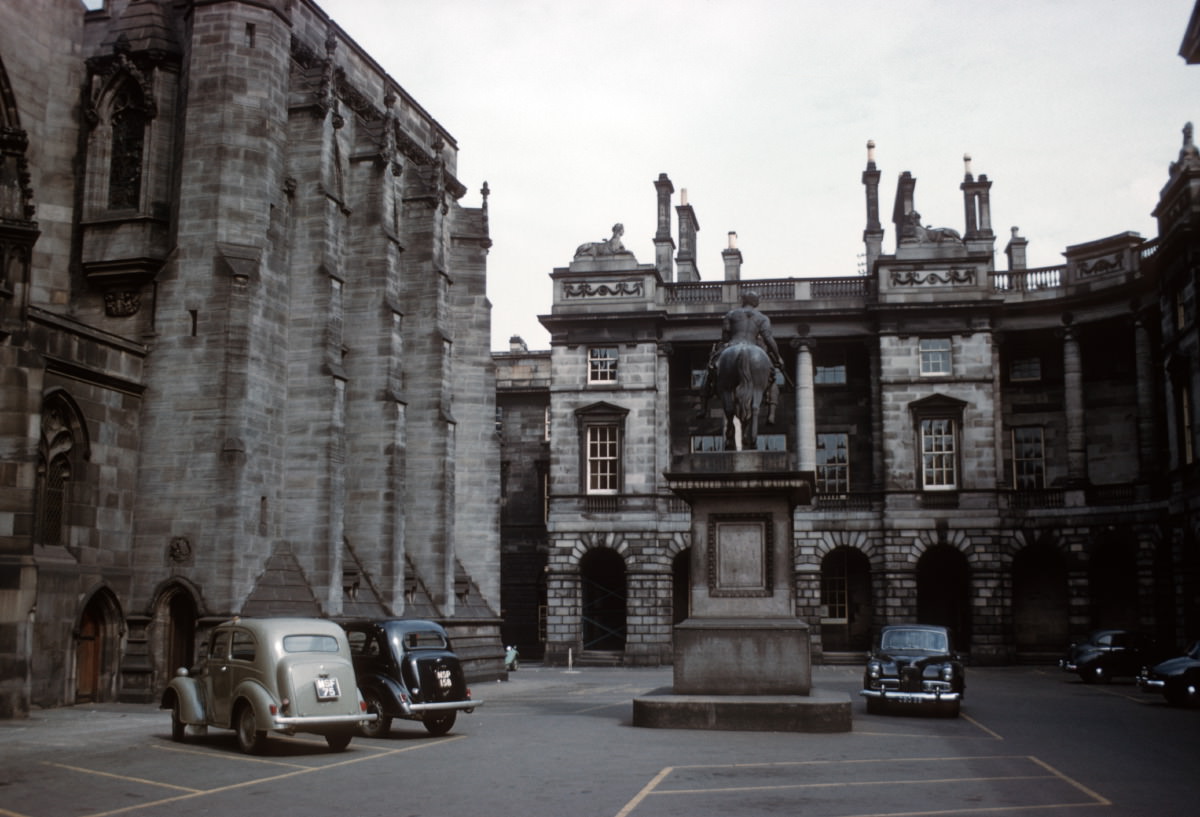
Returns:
(944, 592)
(1040, 603)
(602, 576)
(846, 601)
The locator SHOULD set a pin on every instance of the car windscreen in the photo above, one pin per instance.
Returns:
(310, 643)
(924, 640)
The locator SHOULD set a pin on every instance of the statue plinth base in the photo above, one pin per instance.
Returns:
(742, 658)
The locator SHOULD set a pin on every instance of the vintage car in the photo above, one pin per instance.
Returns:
(283, 675)
(914, 664)
(1106, 654)
(407, 669)
(1178, 679)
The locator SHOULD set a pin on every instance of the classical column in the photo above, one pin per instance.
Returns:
(1144, 363)
(806, 407)
(1073, 405)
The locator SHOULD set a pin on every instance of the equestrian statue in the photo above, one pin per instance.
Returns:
(742, 371)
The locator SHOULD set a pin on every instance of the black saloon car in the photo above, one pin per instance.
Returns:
(914, 664)
(1178, 679)
(1107, 654)
(407, 669)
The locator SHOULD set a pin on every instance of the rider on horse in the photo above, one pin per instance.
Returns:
(745, 324)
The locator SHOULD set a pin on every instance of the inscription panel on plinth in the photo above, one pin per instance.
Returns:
(741, 560)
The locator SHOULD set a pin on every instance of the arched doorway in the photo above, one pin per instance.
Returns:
(1040, 602)
(845, 601)
(1113, 583)
(175, 616)
(681, 586)
(97, 646)
(602, 579)
(944, 592)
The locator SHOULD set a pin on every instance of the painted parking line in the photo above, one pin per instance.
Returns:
(191, 793)
(978, 785)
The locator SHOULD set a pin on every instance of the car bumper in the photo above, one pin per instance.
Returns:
(895, 696)
(302, 722)
(1067, 666)
(1151, 684)
(443, 706)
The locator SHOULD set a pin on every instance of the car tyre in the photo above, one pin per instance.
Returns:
(338, 741)
(1094, 675)
(1185, 694)
(874, 706)
(178, 727)
(382, 725)
(950, 709)
(439, 724)
(251, 739)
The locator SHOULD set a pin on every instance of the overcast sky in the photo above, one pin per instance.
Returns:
(761, 109)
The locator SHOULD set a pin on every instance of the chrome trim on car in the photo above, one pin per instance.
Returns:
(441, 705)
(918, 697)
(1150, 684)
(319, 720)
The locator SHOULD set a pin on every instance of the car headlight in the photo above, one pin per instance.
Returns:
(948, 672)
(874, 669)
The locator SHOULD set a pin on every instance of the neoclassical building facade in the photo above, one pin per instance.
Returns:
(1004, 450)
(243, 332)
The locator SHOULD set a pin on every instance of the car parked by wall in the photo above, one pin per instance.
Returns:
(1108, 654)
(407, 669)
(1178, 678)
(914, 664)
(283, 675)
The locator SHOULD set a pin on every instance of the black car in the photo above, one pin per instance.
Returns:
(914, 664)
(407, 669)
(1178, 679)
(1107, 654)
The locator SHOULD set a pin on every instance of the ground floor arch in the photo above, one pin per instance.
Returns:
(97, 638)
(681, 586)
(944, 592)
(1113, 581)
(845, 601)
(1040, 601)
(174, 632)
(603, 597)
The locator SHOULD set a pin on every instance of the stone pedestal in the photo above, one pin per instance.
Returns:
(742, 658)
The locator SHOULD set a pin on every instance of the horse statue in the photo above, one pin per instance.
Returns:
(744, 373)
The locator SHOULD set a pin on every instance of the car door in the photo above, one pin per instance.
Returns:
(219, 683)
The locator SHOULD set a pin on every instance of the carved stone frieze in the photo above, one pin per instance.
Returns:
(951, 277)
(584, 289)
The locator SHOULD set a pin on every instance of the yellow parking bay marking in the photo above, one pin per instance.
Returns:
(192, 794)
(1006, 769)
(120, 777)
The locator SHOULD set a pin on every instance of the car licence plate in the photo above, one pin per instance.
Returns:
(327, 689)
(905, 699)
(444, 679)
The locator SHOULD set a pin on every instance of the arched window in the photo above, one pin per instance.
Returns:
(63, 442)
(128, 121)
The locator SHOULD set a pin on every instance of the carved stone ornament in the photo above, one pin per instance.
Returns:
(122, 304)
(902, 278)
(617, 289)
(180, 550)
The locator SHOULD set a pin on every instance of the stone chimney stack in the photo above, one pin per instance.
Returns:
(664, 244)
(873, 234)
(976, 203)
(1016, 251)
(733, 259)
(688, 227)
(516, 343)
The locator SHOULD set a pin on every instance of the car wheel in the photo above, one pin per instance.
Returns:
(338, 741)
(379, 727)
(178, 727)
(1184, 694)
(874, 706)
(438, 725)
(1094, 675)
(251, 739)
(950, 708)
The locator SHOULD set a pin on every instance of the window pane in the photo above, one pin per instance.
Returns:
(602, 462)
(1028, 459)
(1027, 368)
(935, 355)
(602, 364)
(835, 373)
(937, 454)
(833, 463)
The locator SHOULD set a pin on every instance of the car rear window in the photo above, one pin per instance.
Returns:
(425, 639)
(310, 643)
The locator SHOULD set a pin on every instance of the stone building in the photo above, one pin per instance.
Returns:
(1006, 451)
(244, 337)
